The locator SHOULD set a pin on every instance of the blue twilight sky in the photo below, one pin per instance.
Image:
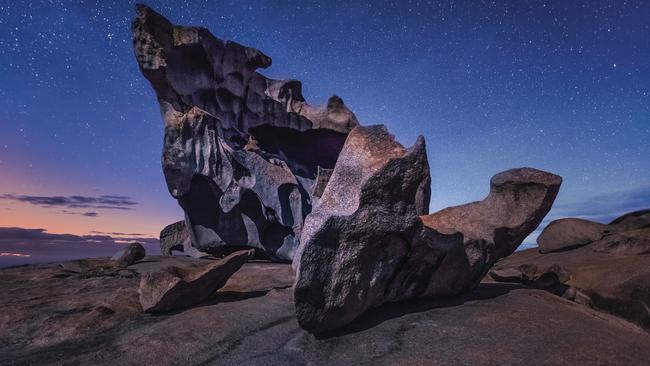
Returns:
(562, 86)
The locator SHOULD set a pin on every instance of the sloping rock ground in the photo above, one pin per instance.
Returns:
(54, 317)
(617, 283)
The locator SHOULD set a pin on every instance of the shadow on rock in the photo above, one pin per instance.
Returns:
(390, 311)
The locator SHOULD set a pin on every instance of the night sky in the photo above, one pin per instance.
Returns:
(562, 86)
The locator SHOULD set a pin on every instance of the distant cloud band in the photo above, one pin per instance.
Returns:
(109, 202)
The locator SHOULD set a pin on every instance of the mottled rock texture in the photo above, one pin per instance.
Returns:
(177, 288)
(51, 319)
(564, 234)
(359, 235)
(366, 244)
(241, 151)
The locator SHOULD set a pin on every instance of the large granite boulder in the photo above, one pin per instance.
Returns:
(365, 244)
(174, 288)
(359, 235)
(241, 151)
(568, 233)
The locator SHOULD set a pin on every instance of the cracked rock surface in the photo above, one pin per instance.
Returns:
(54, 319)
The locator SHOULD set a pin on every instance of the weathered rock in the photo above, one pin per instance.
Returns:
(508, 275)
(48, 320)
(241, 151)
(626, 242)
(176, 288)
(468, 239)
(564, 234)
(632, 221)
(176, 237)
(612, 274)
(365, 243)
(321, 181)
(130, 254)
(357, 238)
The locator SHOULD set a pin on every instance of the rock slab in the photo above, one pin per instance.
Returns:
(611, 274)
(177, 288)
(52, 320)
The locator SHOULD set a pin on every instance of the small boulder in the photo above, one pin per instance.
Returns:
(570, 233)
(130, 254)
(177, 288)
(176, 237)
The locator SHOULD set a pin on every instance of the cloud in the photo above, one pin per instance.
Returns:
(117, 233)
(87, 214)
(39, 246)
(110, 202)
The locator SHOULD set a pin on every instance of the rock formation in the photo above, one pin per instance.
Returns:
(176, 237)
(366, 244)
(253, 165)
(470, 238)
(568, 233)
(632, 221)
(241, 151)
(130, 254)
(176, 288)
(48, 319)
(610, 273)
(357, 238)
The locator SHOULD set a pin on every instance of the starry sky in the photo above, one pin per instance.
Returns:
(562, 86)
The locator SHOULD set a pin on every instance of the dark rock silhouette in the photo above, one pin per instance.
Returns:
(241, 151)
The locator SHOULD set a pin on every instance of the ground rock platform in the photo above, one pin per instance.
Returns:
(55, 316)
